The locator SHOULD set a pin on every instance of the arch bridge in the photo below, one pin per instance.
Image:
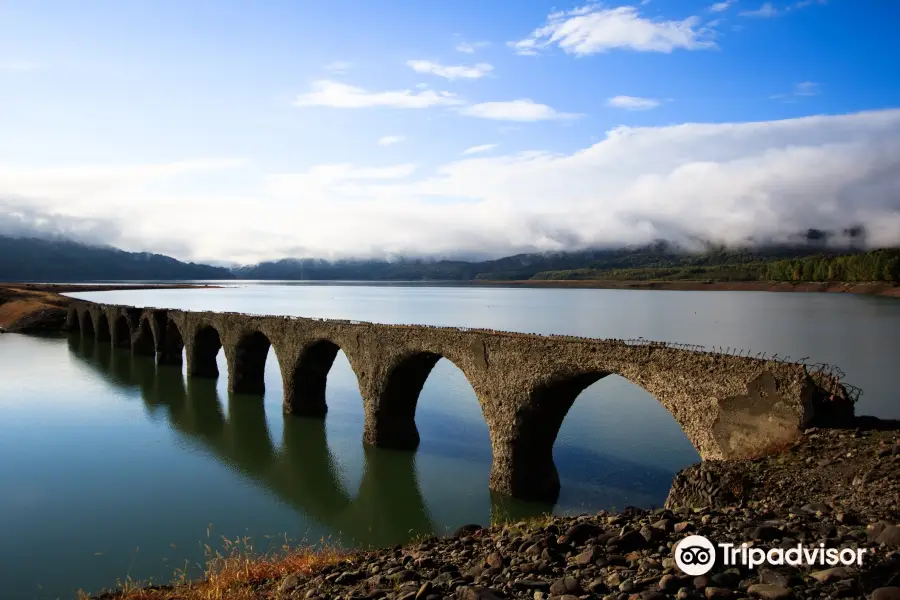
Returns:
(728, 406)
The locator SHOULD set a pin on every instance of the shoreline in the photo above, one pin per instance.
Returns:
(868, 289)
(836, 487)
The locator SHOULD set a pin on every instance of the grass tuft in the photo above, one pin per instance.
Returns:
(236, 572)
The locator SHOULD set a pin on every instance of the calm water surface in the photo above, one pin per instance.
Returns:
(111, 466)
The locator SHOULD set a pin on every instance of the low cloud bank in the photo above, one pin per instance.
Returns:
(723, 182)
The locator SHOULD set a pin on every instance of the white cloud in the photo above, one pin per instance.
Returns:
(766, 11)
(593, 29)
(769, 10)
(801, 89)
(523, 109)
(719, 181)
(470, 47)
(338, 67)
(450, 71)
(721, 6)
(632, 102)
(340, 95)
(479, 149)
(332, 177)
(390, 140)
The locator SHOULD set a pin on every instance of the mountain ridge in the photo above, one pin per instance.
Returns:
(36, 259)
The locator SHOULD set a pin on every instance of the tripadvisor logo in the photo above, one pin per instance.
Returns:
(696, 555)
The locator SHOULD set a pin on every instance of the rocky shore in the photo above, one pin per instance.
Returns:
(840, 488)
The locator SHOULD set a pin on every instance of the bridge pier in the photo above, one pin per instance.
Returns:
(247, 371)
(305, 376)
(391, 431)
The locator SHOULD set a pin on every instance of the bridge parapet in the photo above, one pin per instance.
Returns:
(729, 404)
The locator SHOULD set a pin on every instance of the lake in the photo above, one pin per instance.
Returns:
(113, 467)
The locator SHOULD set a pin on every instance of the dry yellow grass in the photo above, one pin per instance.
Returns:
(236, 573)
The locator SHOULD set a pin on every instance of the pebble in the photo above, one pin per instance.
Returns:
(767, 591)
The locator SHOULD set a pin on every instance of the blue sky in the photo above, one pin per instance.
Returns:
(339, 128)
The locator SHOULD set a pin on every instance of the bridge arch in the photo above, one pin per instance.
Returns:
(306, 380)
(122, 337)
(204, 349)
(145, 340)
(87, 324)
(249, 367)
(73, 319)
(391, 421)
(169, 343)
(103, 330)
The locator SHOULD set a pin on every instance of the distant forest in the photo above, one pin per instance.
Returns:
(876, 265)
(30, 259)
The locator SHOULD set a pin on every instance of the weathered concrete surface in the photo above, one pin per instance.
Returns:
(728, 406)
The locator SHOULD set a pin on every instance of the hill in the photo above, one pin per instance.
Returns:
(661, 261)
(33, 259)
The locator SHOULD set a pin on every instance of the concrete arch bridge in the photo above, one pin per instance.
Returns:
(728, 406)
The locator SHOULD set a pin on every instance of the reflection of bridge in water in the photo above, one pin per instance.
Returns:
(388, 508)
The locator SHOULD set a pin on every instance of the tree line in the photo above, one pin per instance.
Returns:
(881, 265)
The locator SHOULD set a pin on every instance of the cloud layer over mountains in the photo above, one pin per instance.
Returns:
(723, 182)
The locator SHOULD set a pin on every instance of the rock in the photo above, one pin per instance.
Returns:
(766, 533)
(585, 558)
(886, 593)
(728, 579)
(833, 574)
(664, 525)
(626, 586)
(424, 590)
(475, 593)
(404, 576)
(717, 592)
(683, 527)
(817, 507)
(773, 577)
(348, 577)
(767, 591)
(873, 530)
(669, 583)
(683, 594)
(466, 530)
(532, 584)
(494, 560)
(627, 542)
(890, 536)
(566, 585)
(288, 584)
(581, 532)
